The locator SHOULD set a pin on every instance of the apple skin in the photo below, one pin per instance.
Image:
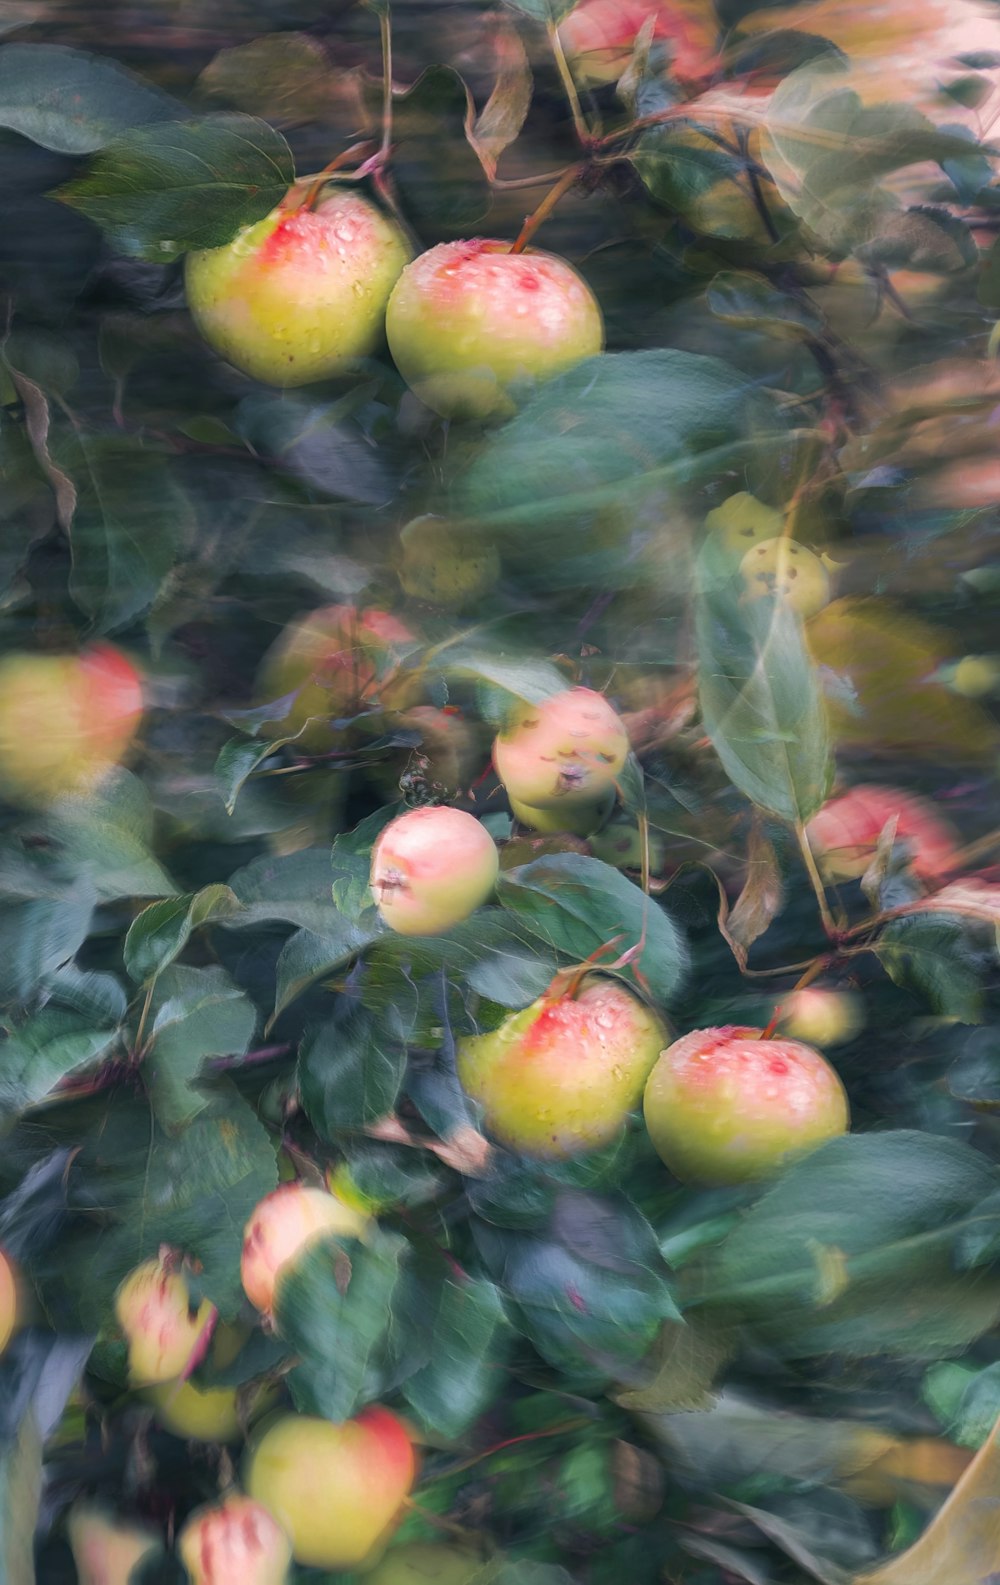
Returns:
(302, 294)
(337, 1490)
(65, 720)
(792, 572)
(432, 1563)
(559, 1078)
(234, 1542)
(469, 322)
(821, 1017)
(107, 1550)
(844, 834)
(331, 660)
(723, 1106)
(599, 37)
(431, 868)
(198, 1414)
(166, 1336)
(560, 761)
(281, 1226)
(9, 1300)
(444, 566)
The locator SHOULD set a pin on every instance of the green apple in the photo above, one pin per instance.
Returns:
(471, 323)
(302, 294)
(234, 1542)
(431, 868)
(725, 1106)
(620, 844)
(107, 1550)
(793, 573)
(821, 1017)
(560, 761)
(444, 566)
(559, 1078)
(167, 1334)
(432, 1563)
(281, 1226)
(337, 1490)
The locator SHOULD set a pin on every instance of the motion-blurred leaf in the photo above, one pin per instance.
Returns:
(73, 102)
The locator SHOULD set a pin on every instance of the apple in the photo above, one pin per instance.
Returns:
(332, 661)
(620, 844)
(821, 1017)
(742, 521)
(976, 676)
(471, 323)
(559, 1078)
(65, 720)
(107, 1550)
(234, 1542)
(793, 573)
(281, 1226)
(599, 37)
(300, 295)
(560, 761)
(338, 1490)
(444, 566)
(9, 1301)
(432, 1563)
(430, 869)
(167, 1335)
(844, 834)
(198, 1414)
(726, 1106)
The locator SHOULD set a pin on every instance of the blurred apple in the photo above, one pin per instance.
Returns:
(9, 1300)
(599, 36)
(560, 761)
(792, 573)
(302, 294)
(432, 868)
(821, 1017)
(432, 1563)
(283, 1224)
(234, 1542)
(107, 1550)
(443, 565)
(620, 844)
(167, 1333)
(844, 833)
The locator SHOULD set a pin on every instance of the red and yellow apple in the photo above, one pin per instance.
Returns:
(282, 1225)
(301, 295)
(234, 1542)
(726, 1106)
(167, 1334)
(559, 1078)
(821, 1017)
(107, 1550)
(9, 1300)
(844, 834)
(65, 720)
(560, 761)
(599, 36)
(470, 324)
(431, 868)
(337, 1490)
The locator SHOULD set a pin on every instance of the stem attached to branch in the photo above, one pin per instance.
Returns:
(545, 208)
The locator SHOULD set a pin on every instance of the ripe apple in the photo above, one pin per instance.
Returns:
(65, 720)
(725, 1106)
(444, 566)
(470, 323)
(281, 1226)
(821, 1017)
(332, 661)
(300, 295)
(234, 1542)
(167, 1335)
(337, 1490)
(560, 761)
(432, 1563)
(794, 573)
(599, 36)
(9, 1302)
(559, 1078)
(844, 834)
(431, 868)
(108, 1550)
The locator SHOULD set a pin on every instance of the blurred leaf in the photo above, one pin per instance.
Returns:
(307, 956)
(460, 1378)
(42, 927)
(162, 930)
(921, 238)
(683, 1363)
(318, 444)
(687, 172)
(291, 887)
(168, 189)
(36, 1057)
(438, 112)
(929, 956)
(237, 761)
(738, 297)
(21, 1483)
(762, 896)
(106, 834)
(966, 1401)
(350, 1070)
(194, 1014)
(506, 677)
(546, 11)
(284, 77)
(351, 863)
(73, 102)
(504, 113)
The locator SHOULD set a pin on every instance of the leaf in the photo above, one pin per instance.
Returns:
(107, 834)
(503, 678)
(929, 957)
(438, 112)
(504, 113)
(548, 12)
(351, 864)
(307, 957)
(350, 1070)
(683, 1365)
(293, 888)
(194, 1014)
(21, 1481)
(760, 702)
(469, 1331)
(73, 102)
(165, 190)
(237, 761)
(739, 297)
(579, 904)
(161, 932)
(36, 1057)
(966, 1401)
(762, 896)
(39, 934)
(284, 77)
(37, 419)
(319, 444)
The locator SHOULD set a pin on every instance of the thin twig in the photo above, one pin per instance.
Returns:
(816, 880)
(569, 87)
(546, 207)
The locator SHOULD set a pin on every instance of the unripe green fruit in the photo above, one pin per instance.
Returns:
(199, 1414)
(559, 1078)
(725, 1106)
(821, 1017)
(469, 323)
(560, 761)
(976, 676)
(106, 1550)
(300, 295)
(234, 1542)
(8, 1300)
(791, 572)
(443, 566)
(281, 1226)
(65, 720)
(431, 868)
(167, 1335)
(620, 844)
(337, 1490)
(432, 1563)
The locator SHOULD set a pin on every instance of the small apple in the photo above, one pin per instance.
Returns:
(560, 761)
(793, 573)
(234, 1542)
(9, 1300)
(198, 1414)
(332, 661)
(444, 566)
(302, 294)
(469, 323)
(725, 1106)
(599, 37)
(108, 1550)
(432, 1563)
(65, 721)
(559, 1078)
(167, 1335)
(844, 834)
(742, 521)
(821, 1017)
(432, 868)
(620, 844)
(976, 676)
(281, 1226)
(337, 1490)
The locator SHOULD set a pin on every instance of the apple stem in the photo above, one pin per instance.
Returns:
(319, 180)
(385, 28)
(545, 208)
(815, 968)
(569, 86)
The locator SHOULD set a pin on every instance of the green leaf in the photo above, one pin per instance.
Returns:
(438, 112)
(162, 931)
(469, 1332)
(21, 1481)
(351, 861)
(350, 1071)
(237, 761)
(107, 834)
(42, 931)
(307, 957)
(194, 1014)
(35, 1058)
(966, 1401)
(167, 189)
(929, 956)
(739, 297)
(73, 102)
(579, 904)
(545, 11)
(686, 171)
(284, 77)
(293, 888)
